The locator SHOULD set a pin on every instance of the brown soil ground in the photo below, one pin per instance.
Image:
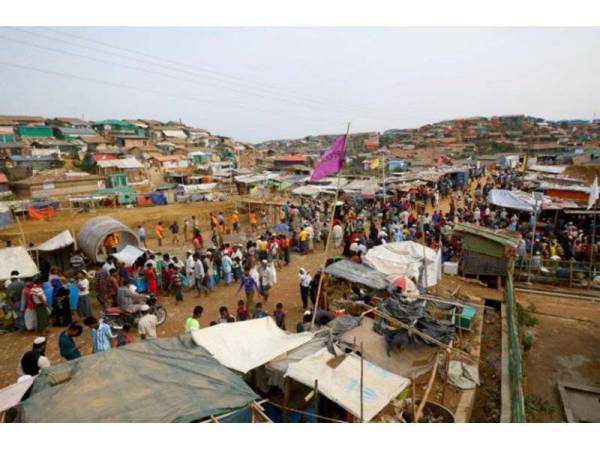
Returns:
(566, 347)
(13, 345)
(37, 231)
(487, 396)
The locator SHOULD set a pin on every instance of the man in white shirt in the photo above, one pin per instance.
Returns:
(189, 267)
(147, 324)
(198, 274)
(34, 360)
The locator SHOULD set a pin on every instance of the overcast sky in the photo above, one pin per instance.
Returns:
(261, 83)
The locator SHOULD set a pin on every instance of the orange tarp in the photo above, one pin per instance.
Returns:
(41, 214)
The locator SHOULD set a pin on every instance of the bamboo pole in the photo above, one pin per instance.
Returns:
(428, 390)
(414, 396)
(426, 337)
(328, 241)
(362, 378)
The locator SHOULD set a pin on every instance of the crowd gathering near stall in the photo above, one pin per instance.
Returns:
(251, 256)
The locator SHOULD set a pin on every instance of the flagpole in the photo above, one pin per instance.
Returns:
(328, 240)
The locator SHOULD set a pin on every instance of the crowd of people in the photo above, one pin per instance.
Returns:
(424, 214)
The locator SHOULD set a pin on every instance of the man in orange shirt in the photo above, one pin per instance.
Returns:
(159, 232)
(235, 221)
(252, 220)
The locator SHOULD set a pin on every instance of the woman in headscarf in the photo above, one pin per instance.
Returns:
(41, 306)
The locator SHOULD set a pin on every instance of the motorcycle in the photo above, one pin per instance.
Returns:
(115, 317)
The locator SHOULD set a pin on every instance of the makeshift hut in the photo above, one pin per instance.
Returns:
(57, 250)
(16, 258)
(243, 346)
(407, 258)
(93, 233)
(486, 252)
(340, 382)
(357, 273)
(159, 380)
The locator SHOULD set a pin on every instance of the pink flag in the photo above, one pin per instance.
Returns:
(332, 160)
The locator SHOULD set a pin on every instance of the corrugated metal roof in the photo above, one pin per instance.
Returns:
(128, 163)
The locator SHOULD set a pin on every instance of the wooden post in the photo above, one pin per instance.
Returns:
(362, 372)
(286, 399)
(327, 242)
(316, 398)
(428, 390)
(23, 241)
(571, 272)
(413, 383)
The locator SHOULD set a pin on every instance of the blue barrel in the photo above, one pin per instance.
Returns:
(73, 297)
(48, 291)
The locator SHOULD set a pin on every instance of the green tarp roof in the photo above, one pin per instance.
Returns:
(160, 380)
(485, 233)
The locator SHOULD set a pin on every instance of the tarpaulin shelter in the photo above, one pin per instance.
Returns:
(41, 213)
(158, 198)
(357, 273)
(6, 217)
(92, 234)
(158, 380)
(510, 200)
(242, 346)
(274, 370)
(10, 396)
(341, 384)
(144, 200)
(59, 247)
(129, 255)
(16, 258)
(61, 240)
(406, 258)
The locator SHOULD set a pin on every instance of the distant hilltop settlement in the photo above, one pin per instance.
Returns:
(70, 161)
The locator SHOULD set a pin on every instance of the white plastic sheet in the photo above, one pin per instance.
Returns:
(406, 258)
(61, 240)
(243, 346)
(16, 258)
(129, 254)
(510, 200)
(342, 383)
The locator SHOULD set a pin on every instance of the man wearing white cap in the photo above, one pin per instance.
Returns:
(35, 359)
(147, 324)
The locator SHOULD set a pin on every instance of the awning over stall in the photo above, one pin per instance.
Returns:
(341, 384)
(357, 273)
(242, 346)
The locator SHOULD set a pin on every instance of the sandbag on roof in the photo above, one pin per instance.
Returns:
(342, 383)
(61, 240)
(16, 258)
(159, 380)
(243, 346)
(406, 258)
(357, 273)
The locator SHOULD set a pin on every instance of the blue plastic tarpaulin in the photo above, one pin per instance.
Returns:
(158, 198)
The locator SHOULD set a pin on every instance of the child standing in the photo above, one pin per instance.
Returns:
(123, 337)
(242, 312)
(279, 315)
(258, 312)
(178, 282)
